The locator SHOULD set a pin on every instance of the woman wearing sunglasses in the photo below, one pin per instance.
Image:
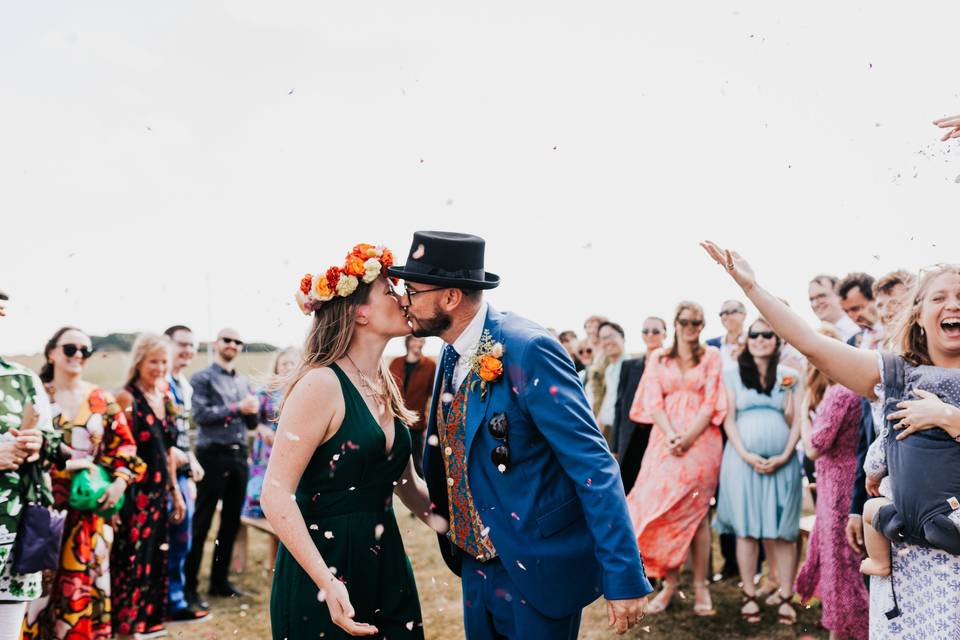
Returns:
(682, 394)
(94, 432)
(760, 494)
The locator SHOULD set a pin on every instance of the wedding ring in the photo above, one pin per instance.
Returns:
(730, 266)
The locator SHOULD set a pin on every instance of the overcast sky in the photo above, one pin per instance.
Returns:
(187, 162)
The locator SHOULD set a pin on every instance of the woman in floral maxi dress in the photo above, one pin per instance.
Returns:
(94, 431)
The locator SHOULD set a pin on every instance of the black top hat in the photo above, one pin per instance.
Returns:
(446, 259)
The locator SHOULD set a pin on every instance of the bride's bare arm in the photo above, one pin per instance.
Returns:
(854, 368)
(311, 415)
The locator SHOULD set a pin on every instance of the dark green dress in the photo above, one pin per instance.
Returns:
(346, 498)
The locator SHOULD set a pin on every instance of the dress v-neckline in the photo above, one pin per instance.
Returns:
(386, 452)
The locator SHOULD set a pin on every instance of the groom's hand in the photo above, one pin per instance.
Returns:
(624, 614)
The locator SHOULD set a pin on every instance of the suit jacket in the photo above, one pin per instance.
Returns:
(558, 517)
(417, 392)
(630, 373)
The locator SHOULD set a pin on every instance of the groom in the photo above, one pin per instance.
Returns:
(515, 461)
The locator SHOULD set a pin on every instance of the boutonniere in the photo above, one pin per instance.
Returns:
(487, 362)
(787, 383)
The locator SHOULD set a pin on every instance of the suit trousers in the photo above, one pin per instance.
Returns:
(494, 609)
(224, 479)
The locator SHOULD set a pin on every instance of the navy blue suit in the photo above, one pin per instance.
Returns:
(558, 517)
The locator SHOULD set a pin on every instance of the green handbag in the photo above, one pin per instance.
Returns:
(87, 489)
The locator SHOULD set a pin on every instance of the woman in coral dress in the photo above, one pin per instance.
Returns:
(681, 393)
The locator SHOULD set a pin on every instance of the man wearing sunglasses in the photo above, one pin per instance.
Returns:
(538, 523)
(732, 316)
(224, 409)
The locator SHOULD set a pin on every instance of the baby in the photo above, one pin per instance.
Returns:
(922, 505)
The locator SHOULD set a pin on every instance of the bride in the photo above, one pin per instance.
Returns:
(341, 451)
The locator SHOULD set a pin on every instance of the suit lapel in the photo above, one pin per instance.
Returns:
(477, 407)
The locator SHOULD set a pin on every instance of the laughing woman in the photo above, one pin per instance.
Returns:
(341, 451)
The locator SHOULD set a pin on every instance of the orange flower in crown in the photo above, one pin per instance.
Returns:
(364, 264)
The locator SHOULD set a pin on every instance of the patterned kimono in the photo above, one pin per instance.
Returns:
(20, 387)
(78, 603)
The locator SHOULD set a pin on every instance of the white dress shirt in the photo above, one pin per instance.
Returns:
(466, 345)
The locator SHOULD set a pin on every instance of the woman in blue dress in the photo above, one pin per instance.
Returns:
(760, 476)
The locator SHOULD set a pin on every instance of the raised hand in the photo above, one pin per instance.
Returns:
(738, 268)
(951, 124)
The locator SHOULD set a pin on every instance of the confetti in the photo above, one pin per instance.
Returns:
(589, 482)
(328, 535)
(520, 564)
(419, 253)
(377, 532)
(335, 457)
(409, 626)
(321, 596)
(314, 527)
(502, 468)
(446, 398)
(515, 516)
(433, 440)
(291, 436)
(553, 390)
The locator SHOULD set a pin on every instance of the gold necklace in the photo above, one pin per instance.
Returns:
(372, 389)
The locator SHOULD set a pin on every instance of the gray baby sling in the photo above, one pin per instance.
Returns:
(924, 468)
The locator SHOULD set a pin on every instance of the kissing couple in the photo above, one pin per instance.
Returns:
(519, 483)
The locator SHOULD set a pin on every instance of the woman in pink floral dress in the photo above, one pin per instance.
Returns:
(832, 569)
(681, 393)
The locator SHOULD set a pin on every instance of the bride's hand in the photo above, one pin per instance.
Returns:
(738, 268)
(341, 611)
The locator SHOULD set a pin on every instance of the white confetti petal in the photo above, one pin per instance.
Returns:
(328, 535)
(291, 436)
(433, 440)
(377, 531)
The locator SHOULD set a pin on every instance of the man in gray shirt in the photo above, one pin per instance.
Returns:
(224, 409)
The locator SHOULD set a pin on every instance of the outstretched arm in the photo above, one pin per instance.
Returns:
(854, 368)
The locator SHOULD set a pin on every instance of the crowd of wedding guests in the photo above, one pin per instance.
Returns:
(721, 433)
(724, 434)
(138, 494)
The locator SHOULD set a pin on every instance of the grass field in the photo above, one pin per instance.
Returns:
(249, 618)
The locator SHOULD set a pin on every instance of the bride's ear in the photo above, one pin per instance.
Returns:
(363, 314)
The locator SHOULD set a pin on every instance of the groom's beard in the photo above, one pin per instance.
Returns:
(426, 327)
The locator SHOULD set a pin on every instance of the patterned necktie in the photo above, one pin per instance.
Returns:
(450, 359)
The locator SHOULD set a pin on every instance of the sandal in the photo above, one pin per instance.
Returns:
(704, 609)
(784, 618)
(753, 617)
(659, 604)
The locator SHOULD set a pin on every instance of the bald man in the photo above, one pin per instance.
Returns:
(224, 409)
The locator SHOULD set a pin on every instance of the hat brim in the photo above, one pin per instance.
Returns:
(490, 281)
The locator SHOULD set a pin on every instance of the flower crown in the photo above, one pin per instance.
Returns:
(365, 262)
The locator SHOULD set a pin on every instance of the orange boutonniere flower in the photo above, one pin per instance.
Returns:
(487, 363)
(787, 383)
(490, 368)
